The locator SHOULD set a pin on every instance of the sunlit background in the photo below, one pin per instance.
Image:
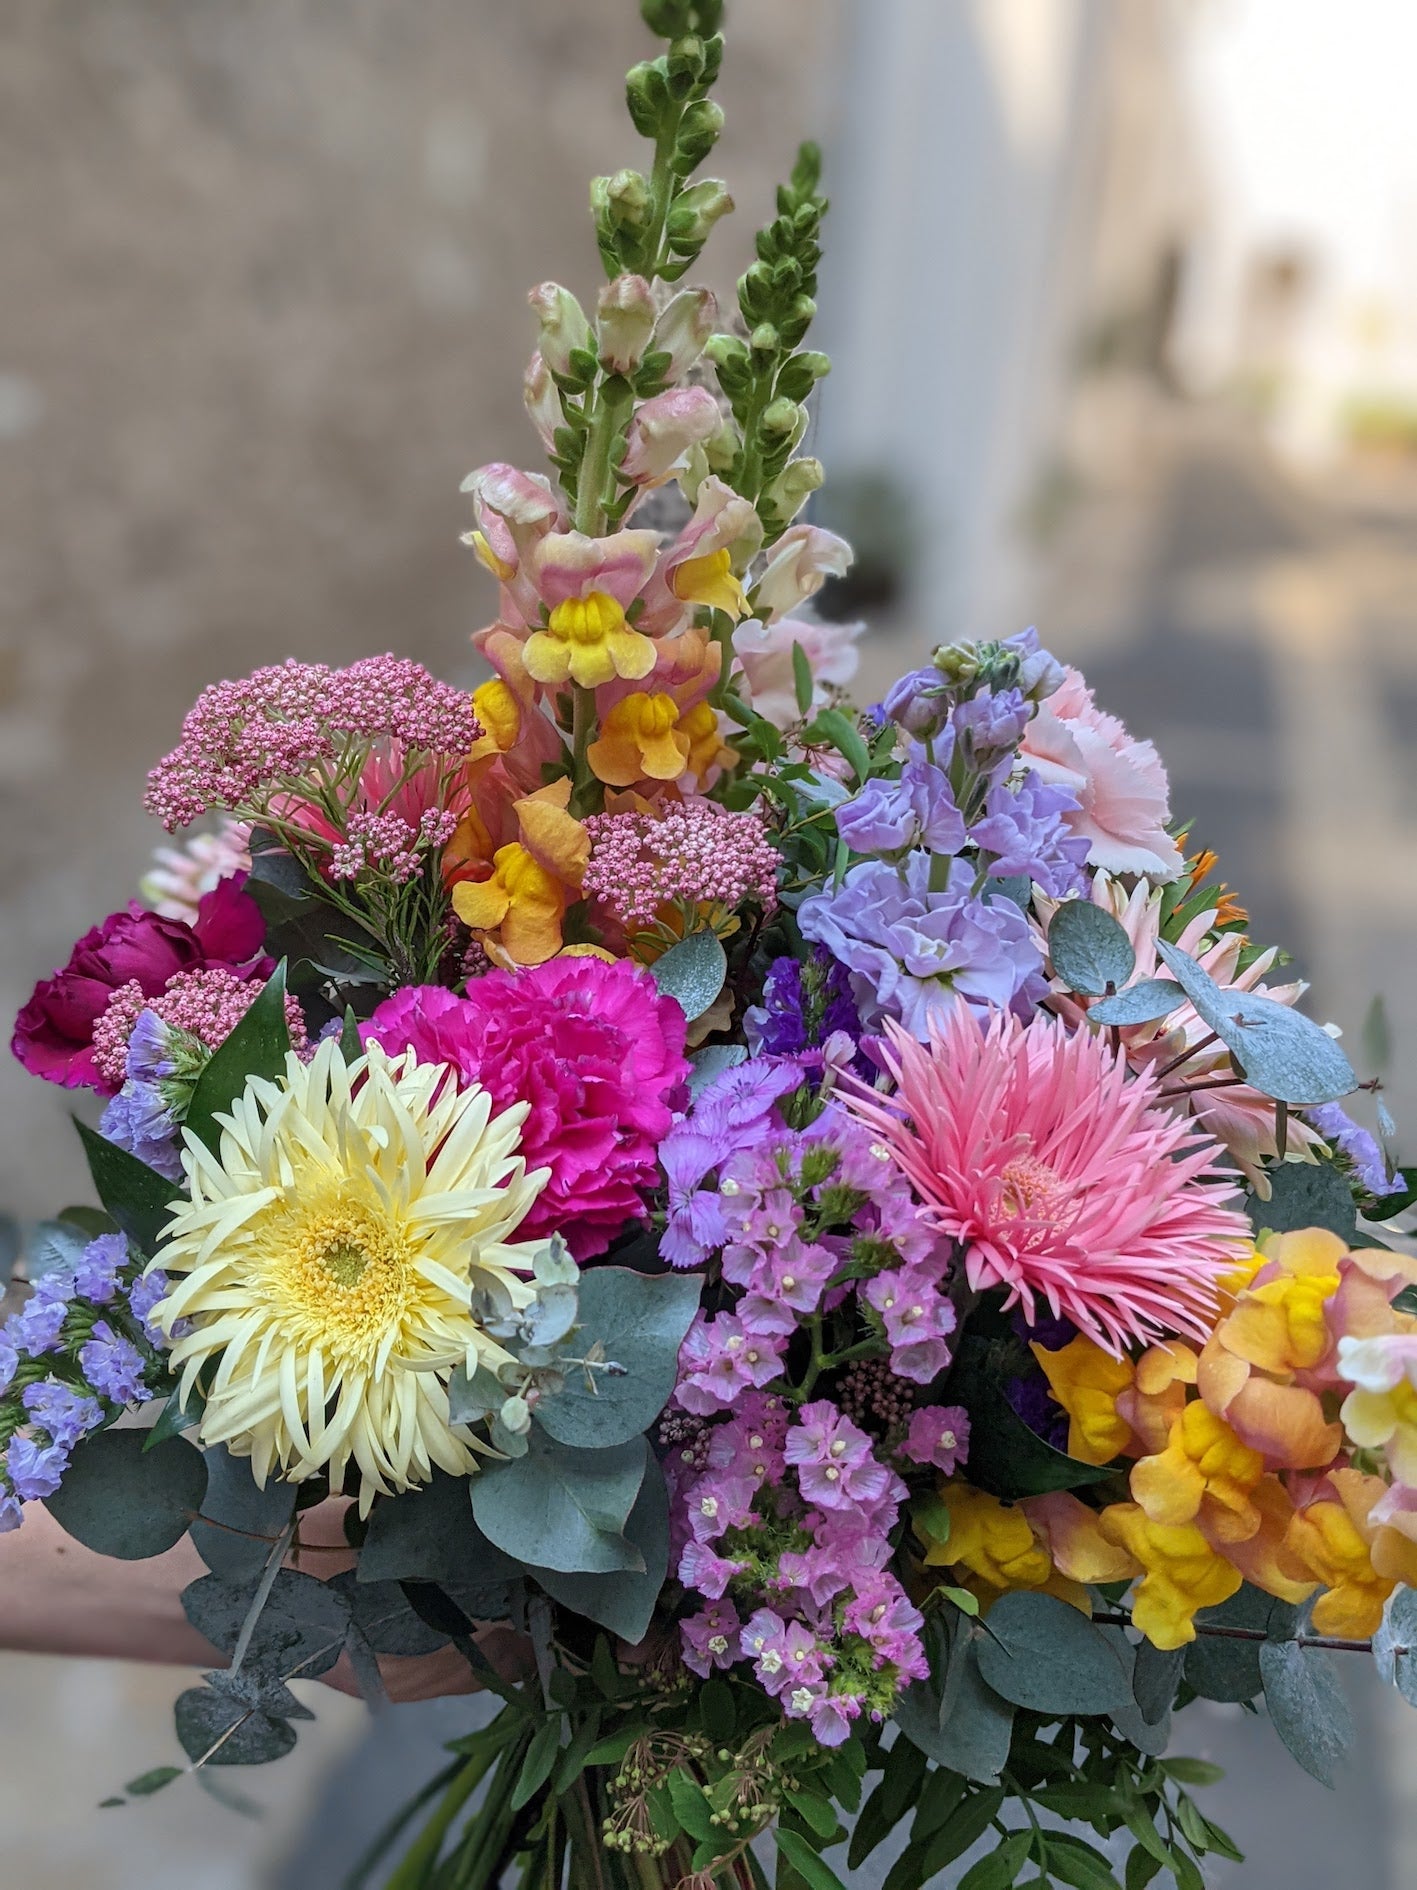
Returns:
(1122, 296)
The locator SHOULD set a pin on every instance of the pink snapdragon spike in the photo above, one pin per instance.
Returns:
(1120, 783)
(695, 854)
(1064, 1181)
(764, 656)
(798, 565)
(514, 510)
(662, 432)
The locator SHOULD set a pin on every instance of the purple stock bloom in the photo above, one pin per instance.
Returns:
(35, 1329)
(97, 1269)
(1024, 827)
(710, 1638)
(890, 817)
(939, 1436)
(920, 703)
(113, 1366)
(9, 1360)
(882, 1613)
(831, 1715)
(1040, 673)
(35, 1470)
(990, 725)
(721, 1502)
(917, 951)
(65, 1414)
(1353, 1141)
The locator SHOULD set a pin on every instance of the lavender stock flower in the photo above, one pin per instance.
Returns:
(891, 817)
(917, 951)
(1024, 828)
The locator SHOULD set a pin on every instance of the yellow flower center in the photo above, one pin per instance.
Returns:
(586, 621)
(343, 1274)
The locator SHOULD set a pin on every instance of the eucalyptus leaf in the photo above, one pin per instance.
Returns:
(217, 1730)
(1149, 1735)
(623, 1602)
(712, 1061)
(637, 1321)
(1042, 1654)
(258, 1046)
(1229, 1670)
(258, 1692)
(1140, 1003)
(692, 972)
(380, 1611)
(1282, 1053)
(138, 1197)
(1395, 1644)
(52, 1245)
(472, 1396)
(241, 1520)
(1305, 1194)
(120, 1500)
(1306, 1706)
(428, 1534)
(1089, 949)
(299, 1633)
(959, 1721)
(564, 1509)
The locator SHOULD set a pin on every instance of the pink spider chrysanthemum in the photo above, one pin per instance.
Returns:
(1059, 1174)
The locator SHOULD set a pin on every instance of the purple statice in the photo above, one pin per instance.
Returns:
(835, 1464)
(138, 1120)
(915, 950)
(11, 1514)
(114, 1366)
(735, 1112)
(705, 1571)
(920, 703)
(97, 1269)
(35, 1470)
(720, 1359)
(938, 1437)
(64, 1414)
(804, 1004)
(1353, 1142)
(1025, 831)
(35, 1329)
(144, 1296)
(711, 1638)
(162, 1062)
(917, 1317)
(1027, 1391)
(892, 817)
(784, 1653)
(9, 1359)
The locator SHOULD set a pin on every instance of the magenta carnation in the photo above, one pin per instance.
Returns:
(54, 1032)
(596, 1052)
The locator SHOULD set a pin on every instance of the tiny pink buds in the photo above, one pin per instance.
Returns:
(683, 330)
(564, 327)
(624, 323)
(663, 431)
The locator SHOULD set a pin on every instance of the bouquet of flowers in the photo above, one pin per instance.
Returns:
(822, 1222)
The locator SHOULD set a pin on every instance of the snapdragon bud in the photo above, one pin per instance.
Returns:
(696, 211)
(663, 430)
(625, 318)
(783, 422)
(564, 327)
(646, 95)
(683, 329)
(543, 403)
(699, 130)
(792, 488)
(622, 201)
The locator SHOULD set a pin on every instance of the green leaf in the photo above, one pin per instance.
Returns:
(149, 1782)
(1304, 1194)
(428, 1534)
(805, 1861)
(257, 1047)
(1395, 1644)
(1075, 1862)
(1006, 1458)
(692, 972)
(1089, 949)
(959, 1720)
(691, 1808)
(91, 1222)
(833, 726)
(138, 1197)
(623, 1602)
(563, 1509)
(351, 1046)
(817, 1813)
(712, 1061)
(963, 1828)
(1281, 1053)
(1306, 1706)
(1142, 1867)
(1001, 1866)
(638, 1320)
(541, 1756)
(1140, 1003)
(1193, 1771)
(243, 1520)
(176, 1417)
(1044, 1655)
(802, 684)
(123, 1501)
(299, 1633)
(214, 1728)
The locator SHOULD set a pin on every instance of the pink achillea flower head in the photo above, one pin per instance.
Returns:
(1061, 1177)
(693, 855)
(207, 1004)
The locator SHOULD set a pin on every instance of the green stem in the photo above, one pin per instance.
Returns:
(583, 727)
(413, 1871)
(587, 1851)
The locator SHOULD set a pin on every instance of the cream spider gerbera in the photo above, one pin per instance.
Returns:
(329, 1254)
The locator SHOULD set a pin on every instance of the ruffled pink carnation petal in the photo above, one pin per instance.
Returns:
(595, 1052)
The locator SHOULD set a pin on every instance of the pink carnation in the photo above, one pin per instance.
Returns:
(764, 656)
(597, 1053)
(54, 1033)
(1120, 783)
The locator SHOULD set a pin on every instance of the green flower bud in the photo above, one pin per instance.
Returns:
(764, 339)
(646, 95)
(696, 211)
(699, 129)
(622, 200)
(625, 319)
(782, 420)
(564, 327)
(792, 488)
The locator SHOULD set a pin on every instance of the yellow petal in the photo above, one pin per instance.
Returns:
(481, 904)
(547, 659)
(631, 652)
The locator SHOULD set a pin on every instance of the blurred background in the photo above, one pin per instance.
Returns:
(1122, 298)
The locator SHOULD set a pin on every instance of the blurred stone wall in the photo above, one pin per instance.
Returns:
(265, 275)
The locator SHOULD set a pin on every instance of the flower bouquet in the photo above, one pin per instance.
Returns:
(821, 1222)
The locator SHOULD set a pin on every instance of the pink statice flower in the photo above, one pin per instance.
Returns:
(835, 1464)
(720, 1359)
(1061, 1176)
(593, 1049)
(1120, 783)
(917, 1316)
(938, 1436)
(710, 1638)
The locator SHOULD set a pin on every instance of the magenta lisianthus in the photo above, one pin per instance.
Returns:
(594, 1050)
(54, 1032)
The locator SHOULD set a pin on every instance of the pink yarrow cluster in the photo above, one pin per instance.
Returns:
(207, 1004)
(692, 855)
(244, 741)
(389, 845)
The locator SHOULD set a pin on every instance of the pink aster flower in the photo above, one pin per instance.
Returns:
(1060, 1175)
(594, 1050)
(1119, 782)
